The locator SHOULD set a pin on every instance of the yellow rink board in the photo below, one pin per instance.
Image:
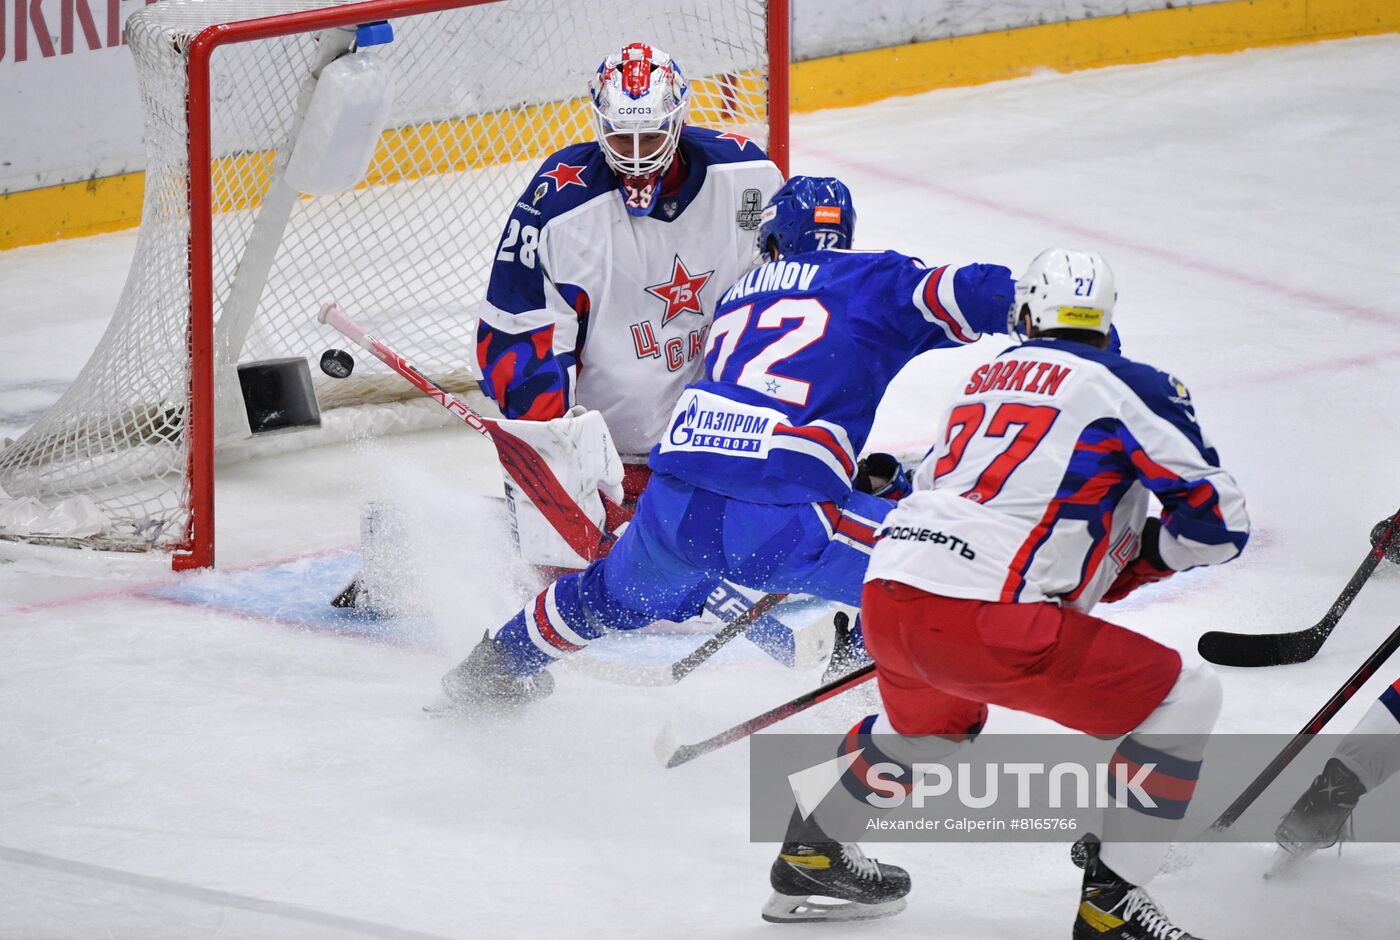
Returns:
(112, 203)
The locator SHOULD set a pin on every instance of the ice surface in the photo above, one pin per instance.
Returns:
(191, 770)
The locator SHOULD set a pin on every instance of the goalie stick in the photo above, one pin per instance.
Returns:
(518, 458)
(1283, 649)
(673, 754)
(1313, 727)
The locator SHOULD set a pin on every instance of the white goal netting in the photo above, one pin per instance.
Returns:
(482, 93)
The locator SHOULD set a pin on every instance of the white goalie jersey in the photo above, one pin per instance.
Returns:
(590, 305)
(1038, 486)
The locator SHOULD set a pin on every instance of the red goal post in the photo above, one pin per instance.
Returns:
(233, 261)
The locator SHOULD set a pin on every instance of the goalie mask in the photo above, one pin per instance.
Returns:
(1065, 289)
(640, 100)
(810, 213)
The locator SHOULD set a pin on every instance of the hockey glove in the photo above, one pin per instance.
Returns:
(881, 475)
(984, 292)
(1147, 567)
(1392, 547)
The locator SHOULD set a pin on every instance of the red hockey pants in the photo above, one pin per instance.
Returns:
(941, 660)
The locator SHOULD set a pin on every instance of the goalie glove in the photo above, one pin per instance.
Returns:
(1146, 568)
(881, 475)
(580, 451)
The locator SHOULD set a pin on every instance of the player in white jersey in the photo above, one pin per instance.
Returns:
(1031, 507)
(611, 262)
(603, 287)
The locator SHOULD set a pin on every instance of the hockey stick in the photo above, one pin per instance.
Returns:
(1314, 726)
(1283, 649)
(520, 461)
(684, 667)
(660, 675)
(672, 754)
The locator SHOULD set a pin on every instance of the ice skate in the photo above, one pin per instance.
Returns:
(1113, 909)
(480, 684)
(356, 599)
(832, 881)
(846, 654)
(1321, 818)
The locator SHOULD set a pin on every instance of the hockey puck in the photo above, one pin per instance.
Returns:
(337, 363)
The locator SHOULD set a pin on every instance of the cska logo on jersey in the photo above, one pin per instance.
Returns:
(565, 175)
(681, 293)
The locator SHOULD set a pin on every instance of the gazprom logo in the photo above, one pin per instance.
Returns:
(684, 425)
(718, 429)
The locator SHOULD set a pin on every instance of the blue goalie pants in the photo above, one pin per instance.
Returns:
(682, 542)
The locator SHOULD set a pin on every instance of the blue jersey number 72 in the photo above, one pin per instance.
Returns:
(745, 350)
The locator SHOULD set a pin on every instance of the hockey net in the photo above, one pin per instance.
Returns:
(222, 274)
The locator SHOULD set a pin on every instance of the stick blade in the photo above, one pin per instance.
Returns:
(684, 755)
(1259, 650)
(670, 752)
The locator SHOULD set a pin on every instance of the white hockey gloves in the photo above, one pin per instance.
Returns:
(580, 451)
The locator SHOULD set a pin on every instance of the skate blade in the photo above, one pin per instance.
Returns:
(447, 710)
(667, 743)
(797, 909)
(482, 712)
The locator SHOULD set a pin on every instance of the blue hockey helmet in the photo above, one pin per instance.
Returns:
(810, 213)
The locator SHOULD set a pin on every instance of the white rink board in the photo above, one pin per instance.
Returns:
(71, 112)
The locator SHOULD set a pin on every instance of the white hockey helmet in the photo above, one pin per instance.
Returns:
(1065, 289)
(640, 102)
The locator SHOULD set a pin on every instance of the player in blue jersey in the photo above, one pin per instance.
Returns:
(606, 277)
(752, 478)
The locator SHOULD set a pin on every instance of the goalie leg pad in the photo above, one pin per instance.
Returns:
(579, 450)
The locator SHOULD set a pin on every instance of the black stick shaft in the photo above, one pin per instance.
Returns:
(1314, 725)
(738, 625)
(1363, 574)
(688, 752)
(1279, 649)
